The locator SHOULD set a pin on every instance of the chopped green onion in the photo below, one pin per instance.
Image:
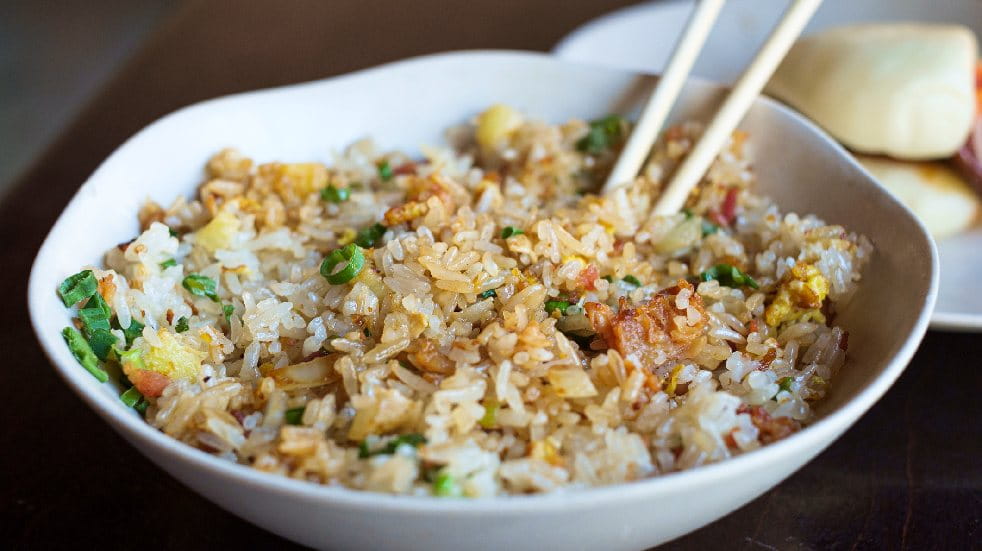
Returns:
(632, 280)
(132, 332)
(367, 237)
(785, 383)
(131, 397)
(367, 332)
(608, 279)
(446, 486)
(488, 294)
(490, 418)
(729, 276)
(355, 261)
(227, 311)
(77, 287)
(172, 232)
(333, 194)
(604, 133)
(101, 341)
(385, 171)
(169, 263)
(708, 228)
(201, 286)
(294, 416)
(133, 357)
(142, 406)
(83, 353)
(367, 449)
(510, 231)
(182, 325)
(95, 314)
(560, 305)
(688, 213)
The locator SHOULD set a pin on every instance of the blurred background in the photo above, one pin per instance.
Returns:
(54, 56)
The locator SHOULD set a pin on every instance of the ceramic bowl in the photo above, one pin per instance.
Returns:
(641, 38)
(409, 103)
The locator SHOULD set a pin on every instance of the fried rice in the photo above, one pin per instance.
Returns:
(475, 321)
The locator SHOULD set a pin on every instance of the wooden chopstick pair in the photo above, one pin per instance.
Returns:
(726, 119)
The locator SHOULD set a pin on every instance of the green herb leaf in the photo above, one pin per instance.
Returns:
(227, 311)
(201, 286)
(488, 294)
(729, 276)
(83, 353)
(490, 418)
(385, 171)
(169, 263)
(784, 383)
(101, 341)
(95, 314)
(294, 416)
(131, 397)
(367, 237)
(132, 357)
(182, 325)
(632, 280)
(560, 305)
(510, 231)
(132, 332)
(355, 261)
(77, 288)
(445, 486)
(172, 232)
(333, 194)
(708, 228)
(603, 134)
(367, 449)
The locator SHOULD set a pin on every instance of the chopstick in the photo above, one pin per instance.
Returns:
(736, 105)
(655, 112)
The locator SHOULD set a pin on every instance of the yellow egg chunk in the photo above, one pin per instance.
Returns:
(801, 293)
(299, 179)
(175, 357)
(218, 233)
(496, 123)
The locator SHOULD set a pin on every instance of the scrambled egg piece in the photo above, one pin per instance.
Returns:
(495, 124)
(175, 358)
(801, 294)
(546, 450)
(297, 179)
(218, 233)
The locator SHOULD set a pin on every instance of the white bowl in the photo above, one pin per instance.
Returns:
(641, 38)
(408, 103)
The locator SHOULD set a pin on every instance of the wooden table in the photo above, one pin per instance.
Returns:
(908, 475)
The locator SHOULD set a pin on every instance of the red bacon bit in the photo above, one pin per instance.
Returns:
(588, 276)
(619, 245)
(769, 357)
(404, 169)
(727, 212)
(239, 416)
(771, 429)
(753, 327)
(730, 442)
(149, 383)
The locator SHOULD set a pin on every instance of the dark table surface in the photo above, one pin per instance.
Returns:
(907, 475)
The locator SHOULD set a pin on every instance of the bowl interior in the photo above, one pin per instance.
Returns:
(410, 103)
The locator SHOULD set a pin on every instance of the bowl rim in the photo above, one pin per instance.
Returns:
(156, 445)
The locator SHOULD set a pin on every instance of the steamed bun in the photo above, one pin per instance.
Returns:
(904, 90)
(935, 192)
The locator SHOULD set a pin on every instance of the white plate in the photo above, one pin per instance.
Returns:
(641, 38)
(409, 103)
